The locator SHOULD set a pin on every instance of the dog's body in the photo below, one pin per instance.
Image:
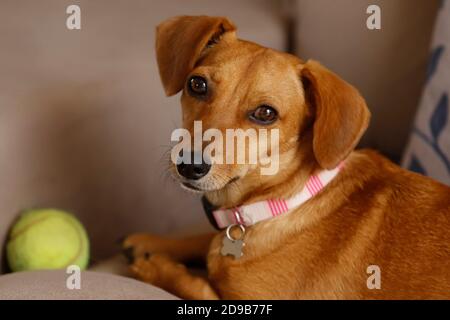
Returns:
(372, 214)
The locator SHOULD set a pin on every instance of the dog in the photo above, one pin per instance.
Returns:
(371, 231)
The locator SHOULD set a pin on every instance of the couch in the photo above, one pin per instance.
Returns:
(84, 123)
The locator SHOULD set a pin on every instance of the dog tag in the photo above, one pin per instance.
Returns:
(231, 246)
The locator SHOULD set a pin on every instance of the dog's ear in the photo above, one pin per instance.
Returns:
(180, 42)
(341, 114)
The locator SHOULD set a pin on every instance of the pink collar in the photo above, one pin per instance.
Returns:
(250, 214)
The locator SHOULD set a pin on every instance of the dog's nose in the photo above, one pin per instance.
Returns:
(193, 171)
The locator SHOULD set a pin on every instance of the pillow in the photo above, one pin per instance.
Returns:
(428, 151)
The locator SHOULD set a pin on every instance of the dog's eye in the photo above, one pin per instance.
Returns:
(264, 115)
(197, 86)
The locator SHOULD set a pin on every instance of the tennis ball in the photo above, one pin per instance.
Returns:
(47, 239)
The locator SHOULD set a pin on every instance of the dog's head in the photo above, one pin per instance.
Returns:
(228, 83)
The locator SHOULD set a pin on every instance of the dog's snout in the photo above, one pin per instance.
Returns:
(193, 170)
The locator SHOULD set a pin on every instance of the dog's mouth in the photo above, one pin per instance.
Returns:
(196, 188)
(191, 186)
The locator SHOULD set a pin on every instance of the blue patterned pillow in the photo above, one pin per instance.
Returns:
(428, 151)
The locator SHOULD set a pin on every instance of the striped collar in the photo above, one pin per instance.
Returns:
(250, 214)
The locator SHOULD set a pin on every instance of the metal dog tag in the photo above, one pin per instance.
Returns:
(231, 246)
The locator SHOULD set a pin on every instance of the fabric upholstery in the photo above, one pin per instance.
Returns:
(94, 285)
(428, 151)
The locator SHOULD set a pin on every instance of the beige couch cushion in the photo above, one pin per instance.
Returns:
(94, 285)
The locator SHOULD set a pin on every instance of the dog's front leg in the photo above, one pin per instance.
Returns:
(164, 272)
(181, 250)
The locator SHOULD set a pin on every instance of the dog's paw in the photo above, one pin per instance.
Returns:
(156, 269)
(146, 270)
(138, 245)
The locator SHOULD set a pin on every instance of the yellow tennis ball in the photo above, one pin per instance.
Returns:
(47, 239)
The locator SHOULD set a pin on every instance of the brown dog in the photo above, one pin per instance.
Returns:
(371, 213)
